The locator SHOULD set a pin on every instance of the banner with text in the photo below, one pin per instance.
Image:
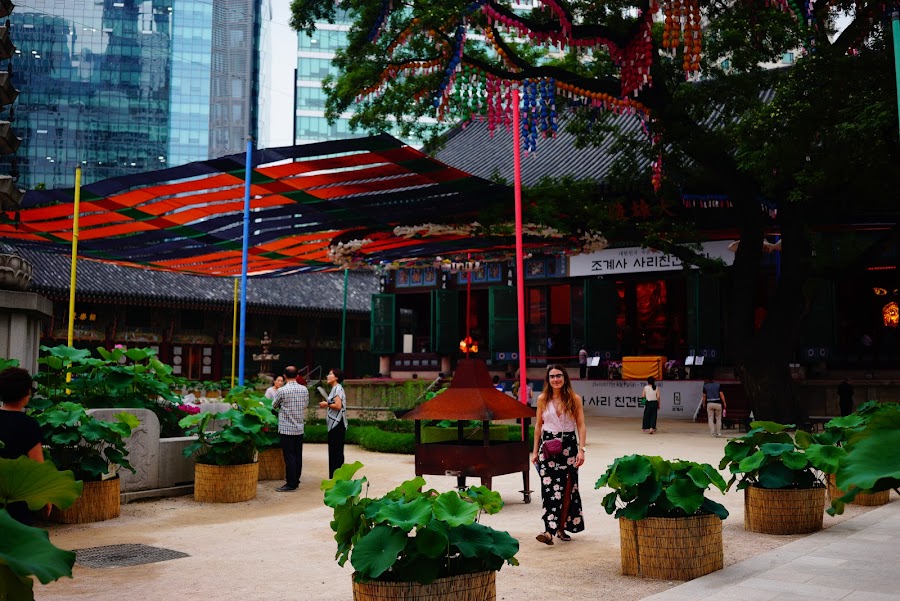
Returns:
(620, 398)
(636, 259)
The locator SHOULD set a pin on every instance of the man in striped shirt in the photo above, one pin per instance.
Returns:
(290, 403)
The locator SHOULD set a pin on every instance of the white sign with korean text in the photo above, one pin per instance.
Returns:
(620, 398)
(636, 259)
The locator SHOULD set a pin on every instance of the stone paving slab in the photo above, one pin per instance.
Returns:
(856, 560)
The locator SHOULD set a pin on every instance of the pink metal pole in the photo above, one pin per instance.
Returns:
(520, 254)
(468, 304)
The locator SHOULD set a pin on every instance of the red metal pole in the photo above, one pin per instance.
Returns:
(468, 303)
(520, 254)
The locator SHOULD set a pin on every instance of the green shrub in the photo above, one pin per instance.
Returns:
(375, 439)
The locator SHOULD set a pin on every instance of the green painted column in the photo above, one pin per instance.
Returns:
(895, 27)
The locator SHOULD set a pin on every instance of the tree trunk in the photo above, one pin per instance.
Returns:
(764, 366)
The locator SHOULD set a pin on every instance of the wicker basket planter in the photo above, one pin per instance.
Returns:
(671, 548)
(98, 502)
(783, 511)
(481, 586)
(868, 499)
(225, 483)
(271, 464)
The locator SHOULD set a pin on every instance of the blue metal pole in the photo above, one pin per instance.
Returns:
(244, 251)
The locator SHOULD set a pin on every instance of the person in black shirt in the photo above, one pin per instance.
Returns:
(845, 397)
(20, 433)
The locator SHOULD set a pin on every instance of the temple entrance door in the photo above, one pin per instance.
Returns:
(193, 361)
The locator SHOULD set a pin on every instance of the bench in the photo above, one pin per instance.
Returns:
(816, 423)
(736, 417)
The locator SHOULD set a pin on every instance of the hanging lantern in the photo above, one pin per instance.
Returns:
(890, 313)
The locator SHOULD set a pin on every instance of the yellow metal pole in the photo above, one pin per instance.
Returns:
(234, 331)
(70, 339)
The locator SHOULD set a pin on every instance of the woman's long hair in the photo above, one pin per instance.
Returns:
(566, 392)
(652, 382)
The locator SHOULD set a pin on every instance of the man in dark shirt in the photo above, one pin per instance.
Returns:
(845, 397)
(20, 433)
(714, 403)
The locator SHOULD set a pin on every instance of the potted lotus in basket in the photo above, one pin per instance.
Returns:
(784, 490)
(226, 468)
(94, 450)
(415, 544)
(668, 528)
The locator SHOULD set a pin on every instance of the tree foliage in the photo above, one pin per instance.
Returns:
(793, 148)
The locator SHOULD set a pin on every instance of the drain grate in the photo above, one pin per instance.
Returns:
(119, 556)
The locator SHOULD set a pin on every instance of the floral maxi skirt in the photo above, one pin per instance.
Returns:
(559, 486)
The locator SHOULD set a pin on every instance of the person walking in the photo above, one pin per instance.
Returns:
(290, 402)
(714, 403)
(20, 433)
(651, 405)
(559, 443)
(582, 363)
(845, 397)
(336, 416)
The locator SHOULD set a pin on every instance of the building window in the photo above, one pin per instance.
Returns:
(788, 58)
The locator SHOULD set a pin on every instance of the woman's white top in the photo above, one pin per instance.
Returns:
(336, 416)
(270, 393)
(650, 394)
(553, 422)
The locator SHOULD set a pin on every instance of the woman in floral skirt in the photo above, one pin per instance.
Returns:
(560, 416)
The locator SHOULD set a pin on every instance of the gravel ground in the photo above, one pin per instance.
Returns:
(280, 546)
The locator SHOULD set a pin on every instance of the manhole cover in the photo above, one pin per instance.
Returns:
(118, 556)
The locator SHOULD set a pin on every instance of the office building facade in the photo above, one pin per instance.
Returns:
(127, 86)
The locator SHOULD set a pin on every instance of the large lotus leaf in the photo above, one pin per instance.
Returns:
(771, 427)
(699, 476)
(67, 353)
(432, 541)
(751, 463)
(409, 489)
(347, 520)
(685, 495)
(505, 545)
(247, 422)
(63, 439)
(774, 449)
(736, 451)
(609, 502)
(823, 457)
(715, 478)
(197, 420)
(472, 540)
(375, 552)
(414, 566)
(872, 463)
(450, 508)
(803, 439)
(795, 460)
(634, 511)
(128, 419)
(661, 467)
(776, 475)
(139, 354)
(710, 506)
(847, 422)
(95, 430)
(96, 466)
(66, 414)
(343, 491)
(406, 515)
(345, 472)
(488, 500)
(634, 469)
(37, 484)
(28, 551)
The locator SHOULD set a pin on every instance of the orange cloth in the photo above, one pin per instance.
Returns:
(641, 368)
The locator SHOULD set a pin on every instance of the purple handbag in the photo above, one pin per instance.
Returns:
(553, 447)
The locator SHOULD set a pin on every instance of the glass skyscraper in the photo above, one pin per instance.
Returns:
(126, 86)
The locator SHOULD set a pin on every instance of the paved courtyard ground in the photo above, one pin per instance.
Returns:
(280, 546)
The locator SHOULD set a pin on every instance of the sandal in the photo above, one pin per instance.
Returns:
(544, 537)
(563, 537)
